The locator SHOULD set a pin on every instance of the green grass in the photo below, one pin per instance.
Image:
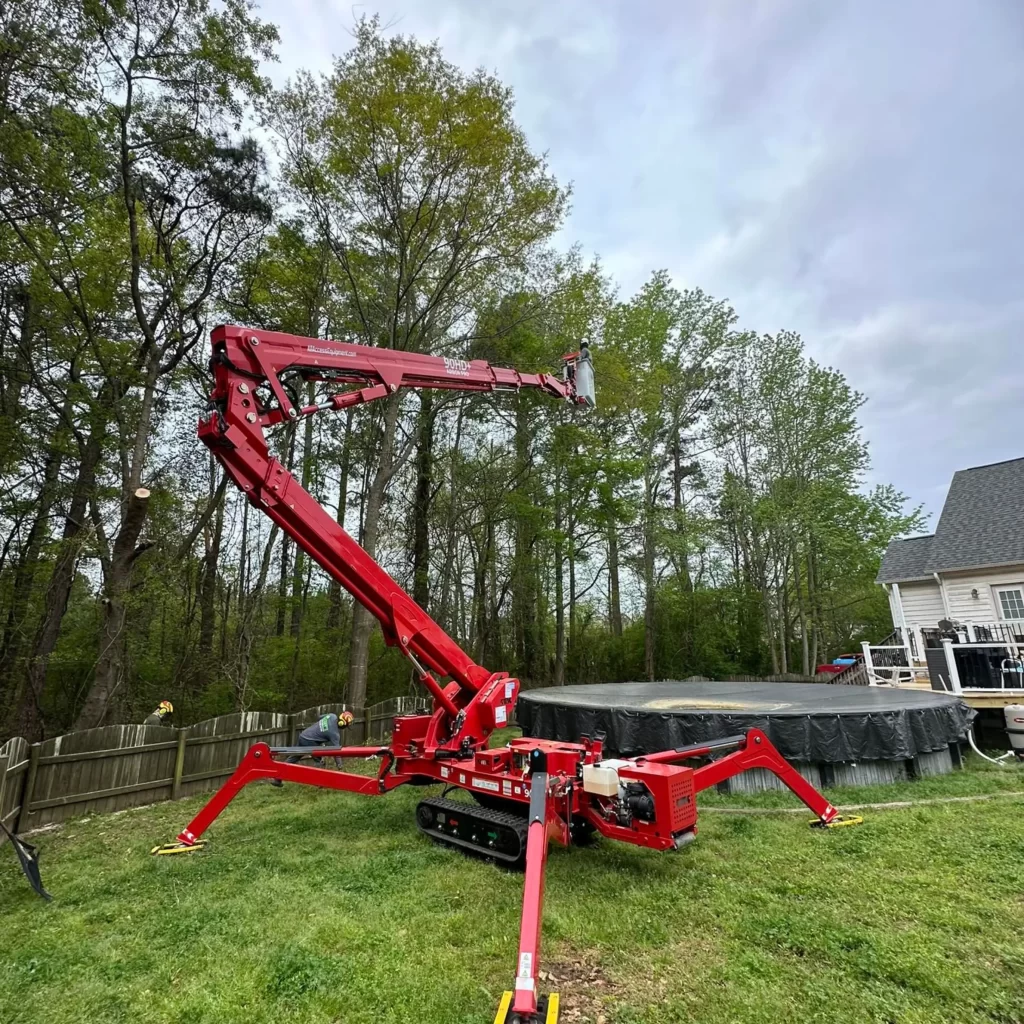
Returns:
(317, 907)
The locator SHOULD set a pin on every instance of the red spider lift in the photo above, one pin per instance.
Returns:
(528, 792)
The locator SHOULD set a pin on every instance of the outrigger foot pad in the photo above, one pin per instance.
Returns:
(839, 821)
(171, 848)
(547, 1011)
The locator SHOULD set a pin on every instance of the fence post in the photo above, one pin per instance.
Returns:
(179, 764)
(954, 674)
(30, 785)
(868, 663)
(292, 726)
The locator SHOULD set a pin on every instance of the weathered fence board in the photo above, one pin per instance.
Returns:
(118, 766)
(14, 761)
(97, 771)
(214, 748)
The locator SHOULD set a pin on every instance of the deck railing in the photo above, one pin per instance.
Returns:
(978, 668)
(893, 662)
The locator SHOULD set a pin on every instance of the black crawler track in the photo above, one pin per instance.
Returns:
(489, 833)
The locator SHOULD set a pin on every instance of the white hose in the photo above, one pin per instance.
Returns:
(993, 760)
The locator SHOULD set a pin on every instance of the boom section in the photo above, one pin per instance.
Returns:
(240, 413)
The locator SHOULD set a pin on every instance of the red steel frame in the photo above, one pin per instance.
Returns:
(450, 745)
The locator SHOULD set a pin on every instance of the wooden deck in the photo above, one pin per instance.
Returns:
(974, 698)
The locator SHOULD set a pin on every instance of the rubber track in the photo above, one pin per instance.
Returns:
(513, 822)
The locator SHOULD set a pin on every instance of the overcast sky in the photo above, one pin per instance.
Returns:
(848, 170)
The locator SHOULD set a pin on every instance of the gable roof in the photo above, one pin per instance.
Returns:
(982, 524)
(982, 521)
(906, 559)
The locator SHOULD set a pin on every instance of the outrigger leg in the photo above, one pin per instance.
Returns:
(260, 763)
(523, 1005)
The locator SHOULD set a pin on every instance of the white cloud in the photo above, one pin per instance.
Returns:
(847, 170)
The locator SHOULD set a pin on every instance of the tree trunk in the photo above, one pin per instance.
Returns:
(362, 620)
(525, 580)
(492, 648)
(805, 650)
(18, 371)
(783, 619)
(245, 599)
(110, 666)
(27, 719)
(25, 570)
(682, 561)
(446, 617)
(334, 598)
(479, 626)
(109, 673)
(814, 599)
(559, 673)
(649, 622)
(298, 576)
(208, 585)
(421, 501)
(614, 589)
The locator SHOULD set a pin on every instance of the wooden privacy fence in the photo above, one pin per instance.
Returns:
(117, 766)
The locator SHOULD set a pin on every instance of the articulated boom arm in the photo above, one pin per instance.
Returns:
(244, 360)
(567, 790)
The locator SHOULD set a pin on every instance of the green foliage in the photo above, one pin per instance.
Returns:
(709, 517)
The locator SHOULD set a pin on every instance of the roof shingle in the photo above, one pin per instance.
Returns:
(982, 524)
(982, 521)
(905, 559)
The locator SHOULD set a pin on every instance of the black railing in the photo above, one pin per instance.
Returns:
(988, 656)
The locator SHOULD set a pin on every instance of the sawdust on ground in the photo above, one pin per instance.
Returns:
(587, 995)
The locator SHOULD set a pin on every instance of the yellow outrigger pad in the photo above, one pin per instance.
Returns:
(839, 821)
(505, 1008)
(170, 848)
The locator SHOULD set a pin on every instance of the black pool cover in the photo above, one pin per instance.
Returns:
(806, 721)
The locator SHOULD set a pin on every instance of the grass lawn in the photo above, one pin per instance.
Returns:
(319, 907)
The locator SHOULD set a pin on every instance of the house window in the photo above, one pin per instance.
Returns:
(1011, 602)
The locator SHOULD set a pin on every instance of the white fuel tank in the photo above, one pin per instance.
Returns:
(602, 778)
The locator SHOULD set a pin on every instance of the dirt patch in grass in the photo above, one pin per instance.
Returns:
(587, 994)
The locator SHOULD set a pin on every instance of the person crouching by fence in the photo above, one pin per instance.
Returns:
(324, 732)
(162, 714)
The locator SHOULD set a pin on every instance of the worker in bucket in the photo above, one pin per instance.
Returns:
(162, 714)
(324, 732)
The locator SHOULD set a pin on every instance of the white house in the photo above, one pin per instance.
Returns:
(971, 570)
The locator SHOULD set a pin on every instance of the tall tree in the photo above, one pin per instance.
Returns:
(427, 193)
(125, 186)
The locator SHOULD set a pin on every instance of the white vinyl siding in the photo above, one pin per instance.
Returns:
(922, 604)
(985, 607)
